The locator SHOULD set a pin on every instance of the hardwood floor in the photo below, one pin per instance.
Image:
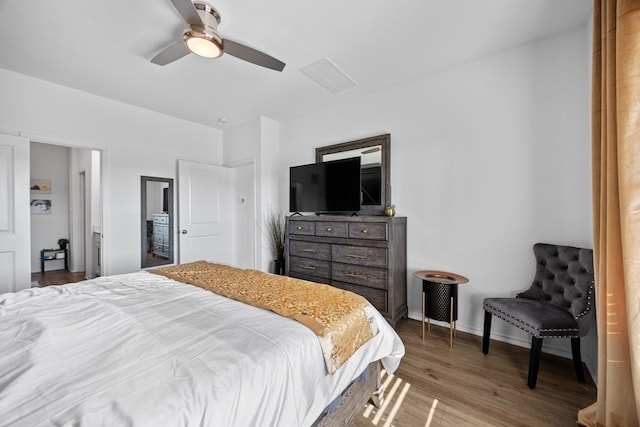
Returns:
(57, 277)
(438, 386)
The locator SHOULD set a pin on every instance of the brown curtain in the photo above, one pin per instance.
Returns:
(616, 211)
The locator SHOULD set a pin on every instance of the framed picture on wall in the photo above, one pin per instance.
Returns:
(40, 186)
(40, 207)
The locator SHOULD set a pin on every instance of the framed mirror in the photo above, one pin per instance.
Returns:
(156, 221)
(374, 153)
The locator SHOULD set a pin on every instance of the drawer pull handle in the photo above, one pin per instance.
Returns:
(329, 229)
(365, 231)
(357, 276)
(308, 250)
(299, 227)
(308, 267)
(356, 256)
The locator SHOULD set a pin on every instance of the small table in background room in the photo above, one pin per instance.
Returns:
(440, 298)
(53, 255)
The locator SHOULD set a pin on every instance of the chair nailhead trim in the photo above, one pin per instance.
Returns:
(568, 333)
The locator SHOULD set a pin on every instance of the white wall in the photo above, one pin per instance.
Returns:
(270, 199)
(487, 158)
(50, 162)
(258, 141)
(133, 141)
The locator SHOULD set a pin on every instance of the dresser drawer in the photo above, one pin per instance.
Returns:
(331, 229)
(309, 266)
(306, 228)
(310, 278)
(161, 219)
(366, 276)
(160, 238)
(364, 254)
(359, 255)
(309, 249)
(161, 229)
(370, 231)
(376, 297)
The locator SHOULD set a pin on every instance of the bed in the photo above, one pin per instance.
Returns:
(143, 349)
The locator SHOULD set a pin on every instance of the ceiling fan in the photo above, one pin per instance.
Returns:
(201, 37)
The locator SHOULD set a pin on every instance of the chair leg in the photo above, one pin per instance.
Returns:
(534, 361)
(577, 359)
(487, 332)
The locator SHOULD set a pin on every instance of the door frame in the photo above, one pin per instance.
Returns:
(103, 173)
(254, 196)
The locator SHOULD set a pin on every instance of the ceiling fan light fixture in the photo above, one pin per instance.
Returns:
(207, 47)
(201, 38)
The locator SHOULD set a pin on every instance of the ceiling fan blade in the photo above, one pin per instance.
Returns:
(170, 54)
(188, 12)
(252, 55)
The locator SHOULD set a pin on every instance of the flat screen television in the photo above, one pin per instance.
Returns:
(326, 187)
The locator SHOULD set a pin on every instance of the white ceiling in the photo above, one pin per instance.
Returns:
(105, 47)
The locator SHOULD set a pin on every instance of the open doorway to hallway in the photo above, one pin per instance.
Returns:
(67, 182)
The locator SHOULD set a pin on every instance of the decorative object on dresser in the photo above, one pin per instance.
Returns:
(365, 254)
(390, 210)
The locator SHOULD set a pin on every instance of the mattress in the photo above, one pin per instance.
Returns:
(144, 350)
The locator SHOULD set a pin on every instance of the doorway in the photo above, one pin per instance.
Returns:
(217, 213)
(74, 212)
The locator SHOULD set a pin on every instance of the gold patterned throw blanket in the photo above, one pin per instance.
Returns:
(337, 317)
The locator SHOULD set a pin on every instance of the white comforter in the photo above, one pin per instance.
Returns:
(142, 350)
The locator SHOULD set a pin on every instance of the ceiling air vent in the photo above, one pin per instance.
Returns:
(328, 75)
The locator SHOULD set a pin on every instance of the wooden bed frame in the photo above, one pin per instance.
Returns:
(353, 400)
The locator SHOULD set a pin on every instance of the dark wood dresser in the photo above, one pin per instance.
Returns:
(365, 254)
(161, 234)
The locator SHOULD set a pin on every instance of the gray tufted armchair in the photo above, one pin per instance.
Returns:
(557, 304)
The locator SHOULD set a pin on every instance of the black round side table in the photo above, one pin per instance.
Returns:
(440, 298)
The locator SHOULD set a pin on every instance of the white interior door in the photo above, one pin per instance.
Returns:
(204, 213)
(15, 257)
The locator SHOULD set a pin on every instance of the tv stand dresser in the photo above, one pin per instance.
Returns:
(363, 254)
